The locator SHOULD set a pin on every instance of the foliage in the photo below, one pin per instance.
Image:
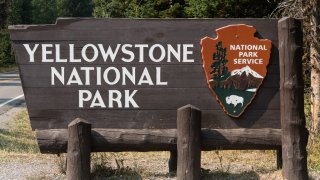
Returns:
(44, 12)
(161, 9)
(74, 8)
(183, 8)
(6, 57)
(230, 8)
(308, 11)
(20, 12)
(3, 13)
(112, 8)
(299, 9)
(139, 9)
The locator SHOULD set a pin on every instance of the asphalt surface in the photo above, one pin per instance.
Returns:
(11, 94)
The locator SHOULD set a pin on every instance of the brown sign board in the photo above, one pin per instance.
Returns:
(66, 73)
(53, 105)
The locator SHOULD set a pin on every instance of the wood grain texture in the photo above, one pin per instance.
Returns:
(54, 107)
(146, 98)
(176, 76)
(79, 149)
(113, 140)
(152, 119)
(294, 132)
(189, 143)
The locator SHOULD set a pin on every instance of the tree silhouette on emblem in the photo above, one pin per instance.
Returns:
(219, 71)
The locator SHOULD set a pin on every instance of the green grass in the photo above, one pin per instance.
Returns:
(314, 154)
(314, 140)
(18, 137)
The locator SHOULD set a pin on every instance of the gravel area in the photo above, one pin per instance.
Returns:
(30, 169)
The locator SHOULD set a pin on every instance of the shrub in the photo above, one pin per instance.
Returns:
(6, 56)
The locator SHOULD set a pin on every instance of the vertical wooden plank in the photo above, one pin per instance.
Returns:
(189, 143)
(173, 161)
(279, 158)
(79, 148)
(294, 132)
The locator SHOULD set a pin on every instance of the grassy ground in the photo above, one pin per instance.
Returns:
(8, 68)
(18, 144)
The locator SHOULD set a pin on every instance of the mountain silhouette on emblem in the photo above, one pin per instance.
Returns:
(243, 79)
(247, 70)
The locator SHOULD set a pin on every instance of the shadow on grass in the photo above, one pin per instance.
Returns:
(215, 175)
(109, 173)
(221, 175)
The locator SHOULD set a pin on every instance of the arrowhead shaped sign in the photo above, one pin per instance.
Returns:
(235, 64)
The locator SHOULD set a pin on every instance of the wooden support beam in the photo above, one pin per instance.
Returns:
(116, 140)
(172, 163)
(294, 132)
(189, 143)
(79, 149)
(279, 158)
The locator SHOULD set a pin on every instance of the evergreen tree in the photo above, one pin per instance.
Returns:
(161, 9)
(219, 71)
(3, 13)
(44, 12)
(75, 8)
(139, 8)
(6, 57)
(20, 12)
(113, 8)
(230, 8)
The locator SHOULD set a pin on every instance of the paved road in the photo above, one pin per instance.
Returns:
(11, 94)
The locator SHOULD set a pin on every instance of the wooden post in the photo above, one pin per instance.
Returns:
(294, 132)
(189, 143)
(173, 161)
(279, 158)
(79, 148)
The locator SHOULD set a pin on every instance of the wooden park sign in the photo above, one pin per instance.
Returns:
(122, 85)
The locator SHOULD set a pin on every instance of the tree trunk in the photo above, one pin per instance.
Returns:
(315, 67)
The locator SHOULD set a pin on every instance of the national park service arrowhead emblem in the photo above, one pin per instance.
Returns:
(235, 64)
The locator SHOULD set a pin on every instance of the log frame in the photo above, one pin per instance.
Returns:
(79, 149)
(189, 143)
(117, 140)
(293, 123)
